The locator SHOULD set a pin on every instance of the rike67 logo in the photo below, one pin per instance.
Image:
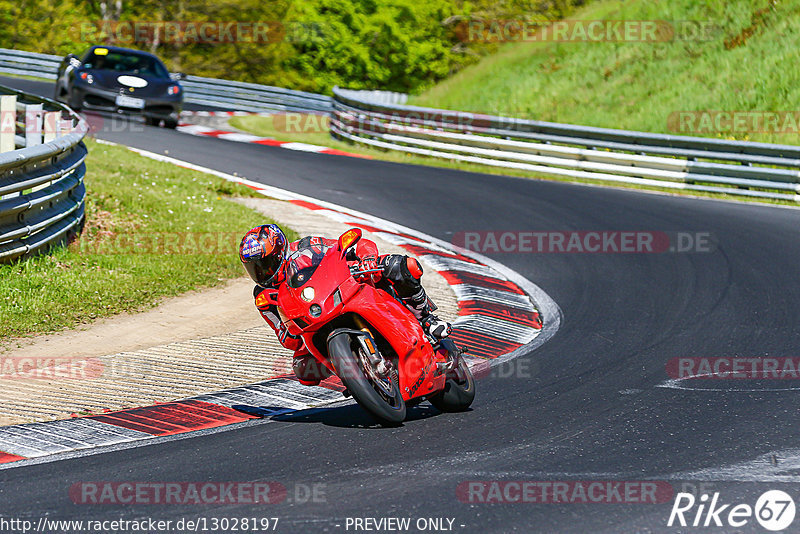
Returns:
(774, 510)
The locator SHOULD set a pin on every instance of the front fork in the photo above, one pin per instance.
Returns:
(381, 365)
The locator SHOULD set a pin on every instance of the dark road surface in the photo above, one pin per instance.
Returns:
(585, 406)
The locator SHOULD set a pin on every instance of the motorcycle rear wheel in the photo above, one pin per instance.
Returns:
(384, 401)
(458, 392)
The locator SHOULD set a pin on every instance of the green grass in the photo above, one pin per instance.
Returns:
(301, 128)
(749, 64)
(130, 199)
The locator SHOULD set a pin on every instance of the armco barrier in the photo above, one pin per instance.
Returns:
(41, 175)
(224, 94)
(381, 119)
(679, 162)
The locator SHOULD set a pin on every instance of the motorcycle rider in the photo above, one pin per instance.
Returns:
(263, 252)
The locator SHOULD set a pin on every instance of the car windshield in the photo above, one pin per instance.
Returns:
(104, 59)
(303, 262)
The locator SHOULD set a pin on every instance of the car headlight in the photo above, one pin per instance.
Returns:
(173, 89)
(88, 78)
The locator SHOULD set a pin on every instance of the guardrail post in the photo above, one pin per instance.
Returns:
(8, 121)
(51, 125)
(65, 126)
(33, 124)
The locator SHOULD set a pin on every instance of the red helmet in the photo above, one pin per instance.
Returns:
(263, 251)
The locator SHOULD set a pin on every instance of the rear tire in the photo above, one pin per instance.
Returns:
(388, 408)
(458, 392)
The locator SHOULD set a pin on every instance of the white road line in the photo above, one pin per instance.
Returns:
(499, 328)
(778, 466)
(441, 263)
(676, 383)
(547, 307)
(304, 147)
(506, 298)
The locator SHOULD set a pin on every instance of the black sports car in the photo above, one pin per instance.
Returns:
(111, 79)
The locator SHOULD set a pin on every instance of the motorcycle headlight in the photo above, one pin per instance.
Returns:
(315, 310)
(307, 294)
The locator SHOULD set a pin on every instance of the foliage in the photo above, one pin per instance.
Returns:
(745, 62)
(400, 45)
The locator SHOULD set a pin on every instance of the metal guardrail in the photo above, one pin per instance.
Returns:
(42, 194)
(381, 119)
(29, 63)
(225, 94)
(242, 96)
(678, 162)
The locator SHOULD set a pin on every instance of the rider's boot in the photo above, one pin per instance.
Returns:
(405, 273)
(308, 370)
(422, 307)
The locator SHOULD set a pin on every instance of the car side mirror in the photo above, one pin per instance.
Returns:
(177, 76)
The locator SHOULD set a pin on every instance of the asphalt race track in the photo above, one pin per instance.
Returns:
(585, 406)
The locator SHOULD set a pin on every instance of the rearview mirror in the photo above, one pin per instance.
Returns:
(349, 238)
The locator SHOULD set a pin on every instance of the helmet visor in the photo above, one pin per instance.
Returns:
(263, 270)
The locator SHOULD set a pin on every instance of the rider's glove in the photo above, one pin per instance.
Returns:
(369, 264)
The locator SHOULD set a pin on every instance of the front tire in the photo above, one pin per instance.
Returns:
(384, 400)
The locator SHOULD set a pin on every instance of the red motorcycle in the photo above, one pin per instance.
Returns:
(366, 336)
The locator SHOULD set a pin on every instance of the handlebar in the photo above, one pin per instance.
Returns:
(355, 272)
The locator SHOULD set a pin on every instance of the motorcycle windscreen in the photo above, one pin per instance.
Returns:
(302, 264)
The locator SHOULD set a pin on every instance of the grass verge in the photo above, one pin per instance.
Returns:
(741, 62)
(153, 230)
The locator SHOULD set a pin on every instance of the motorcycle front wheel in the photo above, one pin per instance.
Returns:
(379, 396)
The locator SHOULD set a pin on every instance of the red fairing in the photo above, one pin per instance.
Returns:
(319, 288)
(365, 248)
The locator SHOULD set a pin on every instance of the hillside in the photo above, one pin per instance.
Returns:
(746, 63)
